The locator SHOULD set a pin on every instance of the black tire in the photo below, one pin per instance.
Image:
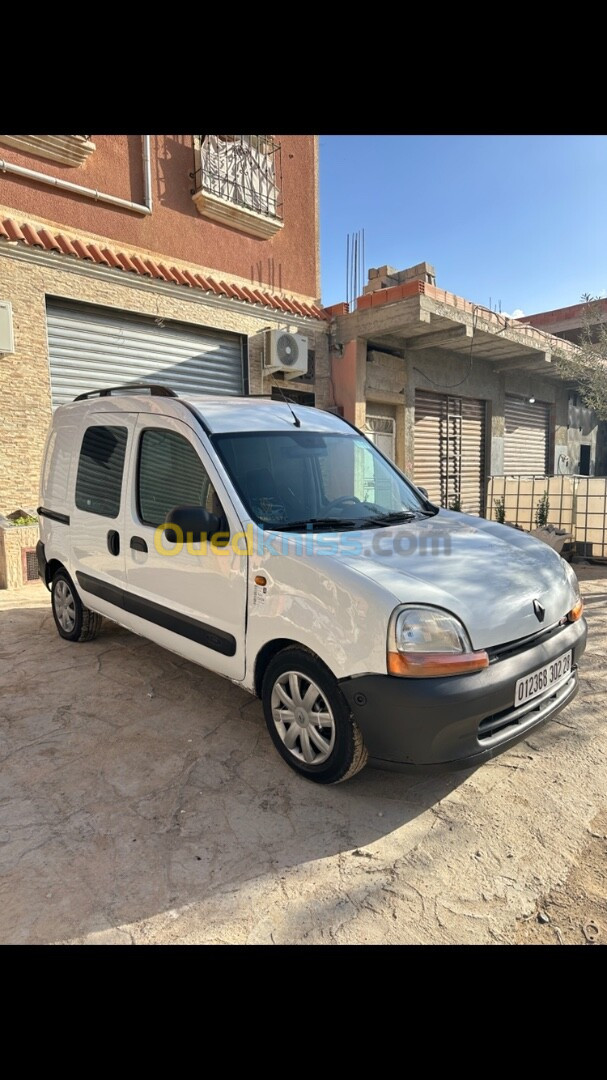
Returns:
(73, 620)
(334, 739)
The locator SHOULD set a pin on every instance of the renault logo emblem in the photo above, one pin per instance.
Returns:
(540, 610)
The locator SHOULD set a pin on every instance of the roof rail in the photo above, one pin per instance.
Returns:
(154, 388)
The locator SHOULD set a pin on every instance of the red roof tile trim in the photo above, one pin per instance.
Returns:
(31, 237)
(13, 230)
(154, 269)
(140, 266)
(66, 246)
(28, 234)
(167, 275)
(95, 252)
(111, 258)
(126, 262)
(80, 250)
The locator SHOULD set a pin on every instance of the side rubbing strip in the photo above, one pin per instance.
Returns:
(209, 636)
(111, 593)
(64, 519)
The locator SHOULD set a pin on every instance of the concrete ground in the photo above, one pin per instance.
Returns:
(142, 802)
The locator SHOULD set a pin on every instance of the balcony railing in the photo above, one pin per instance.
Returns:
(241, 173)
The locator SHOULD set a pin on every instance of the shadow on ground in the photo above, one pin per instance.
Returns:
(134, 783)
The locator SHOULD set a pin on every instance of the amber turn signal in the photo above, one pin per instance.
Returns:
(431, 665)
(261, 580)
(576, 612)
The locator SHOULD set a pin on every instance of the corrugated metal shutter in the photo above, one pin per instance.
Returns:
(526, 436)
(450, 449)
(430, 420)
(472, 456)
(92, 347)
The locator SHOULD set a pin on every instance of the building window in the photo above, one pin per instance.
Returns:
(238, 182)
(381, 430)
(66, 149)
(170, 474)
(100, 469)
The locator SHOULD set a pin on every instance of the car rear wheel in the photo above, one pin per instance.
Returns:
(73, 620)
(309, 720)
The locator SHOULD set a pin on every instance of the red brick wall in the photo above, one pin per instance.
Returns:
(545, 319)
(286, 261)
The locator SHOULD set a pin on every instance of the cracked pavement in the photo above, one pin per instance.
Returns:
(142, 802)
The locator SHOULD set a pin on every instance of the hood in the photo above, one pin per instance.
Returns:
(486, 574)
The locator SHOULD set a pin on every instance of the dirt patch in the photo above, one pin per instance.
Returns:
(574, 913)
(143, 802)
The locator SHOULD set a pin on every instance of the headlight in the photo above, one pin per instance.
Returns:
(425, 642)
(578, 608)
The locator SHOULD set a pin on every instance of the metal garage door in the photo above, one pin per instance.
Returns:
(450, 449)
(92, 347)
(526, 436)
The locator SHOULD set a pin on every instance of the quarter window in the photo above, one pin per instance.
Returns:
(171, 474)
(100, 469)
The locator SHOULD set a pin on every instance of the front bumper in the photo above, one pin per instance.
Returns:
(464, 719)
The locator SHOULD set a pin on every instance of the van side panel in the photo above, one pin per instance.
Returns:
(55, 501)
(308, 599)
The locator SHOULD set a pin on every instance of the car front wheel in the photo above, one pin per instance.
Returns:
(309, 720)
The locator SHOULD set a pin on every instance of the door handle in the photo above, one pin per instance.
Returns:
(138, 543)
(113, 542)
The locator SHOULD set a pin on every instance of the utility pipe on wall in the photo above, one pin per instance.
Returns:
(90, 193)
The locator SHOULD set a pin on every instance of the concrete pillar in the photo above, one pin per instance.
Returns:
(400, 438)
(561, 433)
(349, 380)
(408, 414)
(497, 429)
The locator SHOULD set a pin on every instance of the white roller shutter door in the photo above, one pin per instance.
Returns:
(526, 437)
(93, 347)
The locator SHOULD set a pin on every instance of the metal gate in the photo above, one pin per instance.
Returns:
(91, 347)
(450, 450)
(526, 437)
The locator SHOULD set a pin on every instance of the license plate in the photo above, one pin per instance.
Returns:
(539, 681)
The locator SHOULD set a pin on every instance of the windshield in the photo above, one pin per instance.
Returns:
(298, 479)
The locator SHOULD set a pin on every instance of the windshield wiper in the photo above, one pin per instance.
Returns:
(316, 523)
(400, 515)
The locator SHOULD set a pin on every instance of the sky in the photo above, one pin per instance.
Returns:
(516, 220)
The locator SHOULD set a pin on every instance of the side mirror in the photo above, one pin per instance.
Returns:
(424, 492)
(195, 520)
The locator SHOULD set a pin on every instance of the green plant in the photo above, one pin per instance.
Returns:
(541, 511)
(26, 519)
(500, 509)
(586, 366)
(455, 503)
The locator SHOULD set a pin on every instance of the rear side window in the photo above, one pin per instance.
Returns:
(170, 474)
(100, 469)
(57, 466)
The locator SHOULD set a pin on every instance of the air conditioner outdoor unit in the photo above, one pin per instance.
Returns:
(285, 352)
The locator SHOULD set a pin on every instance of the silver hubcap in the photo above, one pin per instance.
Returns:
(303, 718)
(65, 607)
